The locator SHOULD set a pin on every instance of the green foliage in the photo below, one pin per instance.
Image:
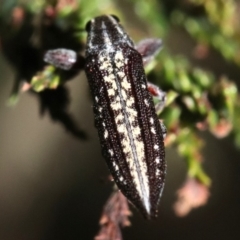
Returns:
(48, 78)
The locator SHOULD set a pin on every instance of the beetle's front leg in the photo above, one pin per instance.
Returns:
(149, 48)
(158, 95)
(65, 59)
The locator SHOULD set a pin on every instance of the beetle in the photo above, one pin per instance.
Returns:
(131, 135)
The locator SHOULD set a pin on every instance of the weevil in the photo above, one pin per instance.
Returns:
(131, 135)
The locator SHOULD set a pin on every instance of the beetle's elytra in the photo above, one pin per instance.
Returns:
(129, 129)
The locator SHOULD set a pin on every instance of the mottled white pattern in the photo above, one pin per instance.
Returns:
(125, 116)
(122, 103)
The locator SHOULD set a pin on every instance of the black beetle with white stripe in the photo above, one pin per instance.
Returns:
(130, 132)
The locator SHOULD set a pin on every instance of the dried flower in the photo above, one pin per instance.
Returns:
(192, 195)
(222, 128)
(201, 51)
(115, 215)
(18, 15)
(25, 86)
(66, 3)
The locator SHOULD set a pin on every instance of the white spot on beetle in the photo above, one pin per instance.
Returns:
(137, 131)
(101, 58)
(146, 102)
(116, 106)
(121, 74)
(119, 118)
(153, 130)
(124, 94)
(106, 134)
(119, 56)
(121, 128)
(125, 84)
(111, 92)
(110, 152)
(156, 147)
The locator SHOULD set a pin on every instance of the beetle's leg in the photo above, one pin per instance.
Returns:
(65, 59)
(159, 98)
(158, 95)
(164, 129)
(149, 48)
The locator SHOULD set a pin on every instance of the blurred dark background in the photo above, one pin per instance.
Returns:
(53, 185)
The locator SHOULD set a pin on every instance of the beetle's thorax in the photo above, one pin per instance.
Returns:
(106, 34)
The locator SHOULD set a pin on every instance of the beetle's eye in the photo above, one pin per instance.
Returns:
(115, 17)
(88, 25)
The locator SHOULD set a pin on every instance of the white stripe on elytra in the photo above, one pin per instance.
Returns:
(139, 166)
(133, 146)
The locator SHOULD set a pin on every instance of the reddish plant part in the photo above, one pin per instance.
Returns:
(157, 93)
(193, 194)
(25, 87)
(222, 128)
(115, 215)
(18, 16)
(63, 4)
(201, 51)
(50, 11)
